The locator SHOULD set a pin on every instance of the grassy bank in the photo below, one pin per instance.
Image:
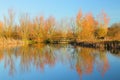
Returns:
(12, 42)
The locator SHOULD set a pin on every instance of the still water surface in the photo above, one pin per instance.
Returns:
(58, 62)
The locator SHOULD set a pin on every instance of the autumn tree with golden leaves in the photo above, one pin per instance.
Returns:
(102, 28)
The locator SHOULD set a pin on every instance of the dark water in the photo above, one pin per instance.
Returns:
(58, 62)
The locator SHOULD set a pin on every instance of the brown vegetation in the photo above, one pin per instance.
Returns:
(48, 30)
(114, 32)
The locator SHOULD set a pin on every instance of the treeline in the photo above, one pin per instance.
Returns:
(114, 31)
(41, 29)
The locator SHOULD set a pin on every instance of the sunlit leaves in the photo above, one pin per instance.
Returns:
(102, 28)
(41, 28)
(87, 25)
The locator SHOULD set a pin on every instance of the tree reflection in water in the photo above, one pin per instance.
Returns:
(83, 60)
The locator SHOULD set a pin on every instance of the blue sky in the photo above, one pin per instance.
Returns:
(61, 8)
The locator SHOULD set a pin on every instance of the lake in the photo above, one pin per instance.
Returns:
(58, 62)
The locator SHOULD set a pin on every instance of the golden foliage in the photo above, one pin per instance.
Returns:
(40, 29)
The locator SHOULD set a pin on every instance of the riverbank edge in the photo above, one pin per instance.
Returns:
(106, 44)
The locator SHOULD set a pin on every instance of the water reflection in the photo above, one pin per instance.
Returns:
(24, 59)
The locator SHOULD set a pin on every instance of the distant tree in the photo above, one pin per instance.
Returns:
(74, 29)
(37, 28)
(88, 27)
(78, 25)
(101, 30)
(85, 25)
(9, 23)
(49, 28)
(24, 26)
(114, 31)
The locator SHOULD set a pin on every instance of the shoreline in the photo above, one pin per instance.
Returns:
(103, 44)
(11, 42)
